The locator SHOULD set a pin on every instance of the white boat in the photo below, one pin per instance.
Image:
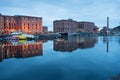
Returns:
(21, 35)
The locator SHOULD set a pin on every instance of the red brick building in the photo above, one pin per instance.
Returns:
(86, 27)
(0, 23)
(74, 26)
(45, 29)
(65, 25)
(8, 24)
(26, 24)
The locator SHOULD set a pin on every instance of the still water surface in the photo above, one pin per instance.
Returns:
(73, 58)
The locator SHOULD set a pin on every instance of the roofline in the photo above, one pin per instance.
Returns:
(26, 16)
(19, 16)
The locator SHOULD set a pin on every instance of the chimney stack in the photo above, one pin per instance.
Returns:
(107, 22)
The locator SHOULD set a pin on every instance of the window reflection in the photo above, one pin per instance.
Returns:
(72, 43)
(20, 49)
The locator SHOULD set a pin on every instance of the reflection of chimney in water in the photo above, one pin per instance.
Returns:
(107, 45)
(107, 34)
(106, 41)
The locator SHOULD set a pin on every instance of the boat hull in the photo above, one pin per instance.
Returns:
(20, 37)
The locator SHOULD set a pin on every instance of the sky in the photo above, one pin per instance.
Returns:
(79, 10)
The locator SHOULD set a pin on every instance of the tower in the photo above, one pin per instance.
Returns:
(107, 22)
(107, 31)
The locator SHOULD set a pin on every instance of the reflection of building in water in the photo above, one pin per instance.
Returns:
(65, 45)
(0, 51)
(74, 43)
(116, 77)
(88, 42)
(7, 50)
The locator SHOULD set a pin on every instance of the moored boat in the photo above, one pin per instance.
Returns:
(21, 35)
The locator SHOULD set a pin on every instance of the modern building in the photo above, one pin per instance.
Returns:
(26, 24)
(103, 31)
(64, 26)
(45, 29)
(106, 31)
(86, 27)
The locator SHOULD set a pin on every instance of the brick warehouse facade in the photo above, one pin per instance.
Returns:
(26, 24)
(64, 25)
(45, 29)
(0, 23)
(73, 26)
(86, 27)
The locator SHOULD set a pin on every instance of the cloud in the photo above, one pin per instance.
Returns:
(98, 11)
(50, 10)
